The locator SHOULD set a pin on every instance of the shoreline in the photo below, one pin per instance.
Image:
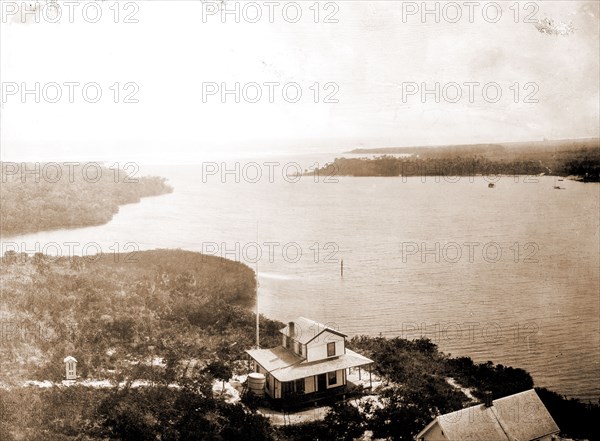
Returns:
(78, 227)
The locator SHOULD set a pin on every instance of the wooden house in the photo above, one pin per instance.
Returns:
(311, 363)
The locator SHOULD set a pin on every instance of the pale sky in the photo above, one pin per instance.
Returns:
(369, 54)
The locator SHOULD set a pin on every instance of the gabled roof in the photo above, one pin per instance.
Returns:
(306, 330)
(521, 417)
(68, 359)
(284, 365)
(475, 423)
(524, 416)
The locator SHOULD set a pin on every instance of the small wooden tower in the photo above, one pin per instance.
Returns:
(71, 368)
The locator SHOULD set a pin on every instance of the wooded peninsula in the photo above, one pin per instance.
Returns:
(48, 196)
(577, 159)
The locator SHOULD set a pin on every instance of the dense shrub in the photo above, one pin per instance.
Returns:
(576, 419)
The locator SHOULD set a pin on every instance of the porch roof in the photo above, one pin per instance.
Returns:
(284, 365)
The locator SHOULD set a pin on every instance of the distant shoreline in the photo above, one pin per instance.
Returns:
(75, 226)
(48, 197)
(577, 160)
(546, 144)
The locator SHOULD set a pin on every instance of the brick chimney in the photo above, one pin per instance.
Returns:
(487, 399)
(291, 329)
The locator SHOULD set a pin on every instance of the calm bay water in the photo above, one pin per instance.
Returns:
(420, 258)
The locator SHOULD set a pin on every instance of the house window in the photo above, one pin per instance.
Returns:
(287, 342)
(300, 350)
(331, 349)
(287, 388)
(332, 378)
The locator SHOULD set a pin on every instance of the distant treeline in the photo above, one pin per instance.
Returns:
(117, 314)
(579, 159)
(40, 197)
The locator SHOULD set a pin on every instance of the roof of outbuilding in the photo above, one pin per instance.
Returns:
(524, 416)
(306, 330)
(284, 365)
(475, 423)
(521, 417)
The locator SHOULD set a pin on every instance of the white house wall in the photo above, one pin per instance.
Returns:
(317, 349)
(270, 385)
(277, 389)
(309, 385)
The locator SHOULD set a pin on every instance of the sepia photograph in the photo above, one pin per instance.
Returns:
(310, 220)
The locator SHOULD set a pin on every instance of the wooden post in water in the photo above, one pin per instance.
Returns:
(257, 312)
(257, 317)
(342, 268)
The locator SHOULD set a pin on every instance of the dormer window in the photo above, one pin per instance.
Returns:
(300, 340)
(331, 349)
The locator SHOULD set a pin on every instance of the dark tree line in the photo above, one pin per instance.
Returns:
(579, 159)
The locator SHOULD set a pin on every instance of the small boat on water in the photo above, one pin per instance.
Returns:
(491, 185)
(557, 186)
